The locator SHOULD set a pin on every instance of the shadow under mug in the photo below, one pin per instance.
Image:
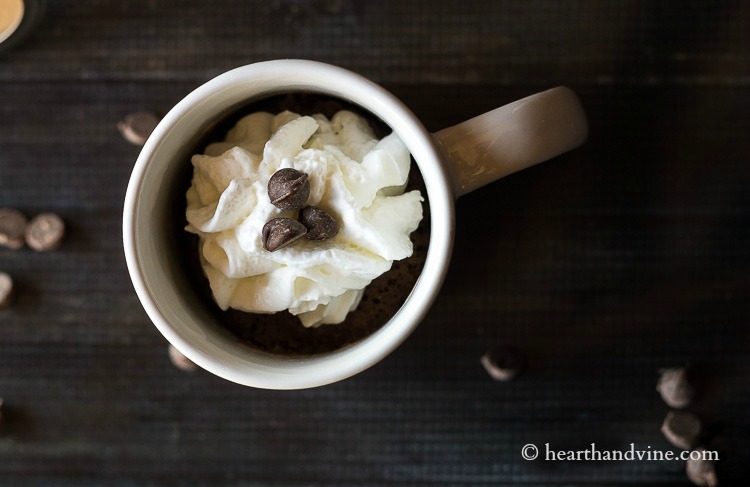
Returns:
(452, 161)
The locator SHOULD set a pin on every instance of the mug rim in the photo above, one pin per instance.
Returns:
(292, 372)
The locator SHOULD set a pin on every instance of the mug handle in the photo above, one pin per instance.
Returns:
(513, 137)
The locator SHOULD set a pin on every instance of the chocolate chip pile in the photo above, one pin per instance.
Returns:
(288, 190)
(42, 233)
(684, 429)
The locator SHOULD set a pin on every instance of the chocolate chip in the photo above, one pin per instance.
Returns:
(288, 189)
(681, 429)
(674, 388)
(181, 361)
(12, 226)
(700, 469)
(320, 225)
(6, 290)
(502, 363)
(45, 232)
(280, 232)
(137, 127)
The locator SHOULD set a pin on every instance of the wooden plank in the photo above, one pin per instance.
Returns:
(416, 42)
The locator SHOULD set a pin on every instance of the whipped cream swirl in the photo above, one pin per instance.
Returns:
(355, 177)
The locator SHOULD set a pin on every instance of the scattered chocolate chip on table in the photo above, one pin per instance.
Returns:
(681, 429)
(12, 227)
(6, 290)
(502, 363)
(675, 388)
(45, 232)
(700, 470)
(137, 127)
(181, 361)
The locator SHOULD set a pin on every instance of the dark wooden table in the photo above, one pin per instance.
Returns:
(604, 265)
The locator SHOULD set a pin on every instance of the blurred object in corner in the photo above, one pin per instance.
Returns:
(17, 19)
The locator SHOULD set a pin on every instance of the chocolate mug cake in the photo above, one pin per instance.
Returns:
(281, 332)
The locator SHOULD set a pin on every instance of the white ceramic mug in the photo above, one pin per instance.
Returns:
(452, 161)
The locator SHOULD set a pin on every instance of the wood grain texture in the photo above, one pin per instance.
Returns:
(627, 255)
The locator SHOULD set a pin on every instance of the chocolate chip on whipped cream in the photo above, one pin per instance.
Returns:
(289, 189)
(280, 232)
(320, 225)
